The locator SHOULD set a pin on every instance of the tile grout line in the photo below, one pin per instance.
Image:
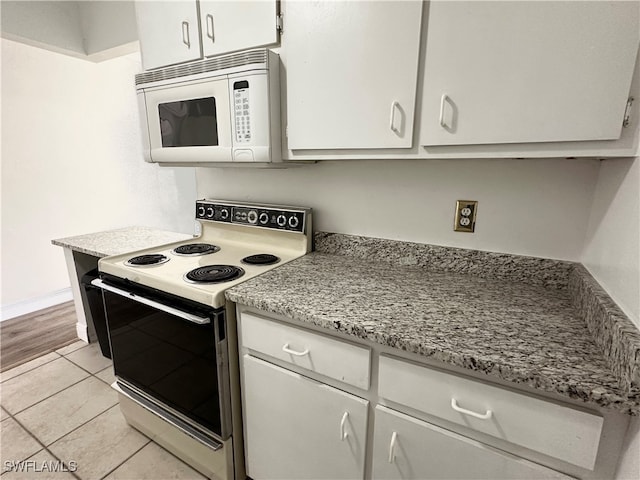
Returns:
(32, 369)
(69, 386)
(44, 447)
(48, 397)
(128, 458)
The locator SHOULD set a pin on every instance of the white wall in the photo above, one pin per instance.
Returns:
(52, 24)
(89, 29)
(527, 207)
(72, 164)
(612, 255)
(612, 246)
(107, 25)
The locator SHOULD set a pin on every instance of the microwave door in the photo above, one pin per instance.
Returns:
(189, 122)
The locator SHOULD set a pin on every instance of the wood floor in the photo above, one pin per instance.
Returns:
(30, 336)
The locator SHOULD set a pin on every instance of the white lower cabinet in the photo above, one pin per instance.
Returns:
(407, 448)
(297, 428)
(303, 424)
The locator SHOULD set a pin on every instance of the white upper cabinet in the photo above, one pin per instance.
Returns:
(230, 26)
(351, 73)
(174, 32)
(527, 71)
(168, 32)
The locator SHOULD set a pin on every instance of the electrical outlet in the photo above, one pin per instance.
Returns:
(465, 220)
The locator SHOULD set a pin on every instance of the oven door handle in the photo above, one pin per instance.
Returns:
(151, 303)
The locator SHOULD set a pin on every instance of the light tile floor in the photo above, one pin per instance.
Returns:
(60, 408)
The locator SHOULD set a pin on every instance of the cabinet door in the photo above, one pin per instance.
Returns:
(232, 25)
(351, 73)
(527, 71)
(407, 448)
(296, 428)
(169, 32)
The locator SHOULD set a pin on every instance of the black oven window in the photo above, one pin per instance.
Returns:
(189, 123)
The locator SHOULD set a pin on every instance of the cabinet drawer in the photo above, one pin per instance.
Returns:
(315, 352)
(560, 432)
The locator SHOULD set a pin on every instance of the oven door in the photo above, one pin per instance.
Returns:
(188, 121)
(170, 355)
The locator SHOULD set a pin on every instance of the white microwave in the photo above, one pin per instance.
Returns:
(223, 110)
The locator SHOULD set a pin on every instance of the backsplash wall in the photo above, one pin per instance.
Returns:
(537, 207)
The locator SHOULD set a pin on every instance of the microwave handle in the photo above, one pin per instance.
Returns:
(145, 301)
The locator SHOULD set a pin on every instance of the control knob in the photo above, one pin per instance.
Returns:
(210, 212)
(281, 220)
(264, 218)
(252, 217)
(200, 211)
(293, 221)
(224, 213)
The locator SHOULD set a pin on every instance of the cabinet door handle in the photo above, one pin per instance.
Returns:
(443, 101)
(343, 433)
(210, 26)
(482, 416)
(392, 447)
(185, 34)
(392, 121)
(286, 349)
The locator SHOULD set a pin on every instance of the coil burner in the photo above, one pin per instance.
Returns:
(148, 260)
(261, 259)
(213, 274)
(195, 249)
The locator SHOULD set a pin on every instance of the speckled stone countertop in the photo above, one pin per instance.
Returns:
(520, 323)
(122, 240)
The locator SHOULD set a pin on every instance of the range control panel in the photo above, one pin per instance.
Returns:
(258, 216)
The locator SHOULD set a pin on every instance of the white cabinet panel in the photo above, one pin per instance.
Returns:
(174, 32)
(168, 31)
(527, 71)
(317, 353)
(296, 428)
(351, 73)
(561, 432)
(229, 26)
(407, 448)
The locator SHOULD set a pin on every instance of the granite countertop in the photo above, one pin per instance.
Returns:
(122, 240)
(522, 325)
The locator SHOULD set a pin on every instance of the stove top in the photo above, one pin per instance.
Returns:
(238, 241)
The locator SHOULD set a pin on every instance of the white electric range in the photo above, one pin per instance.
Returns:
(172, 332)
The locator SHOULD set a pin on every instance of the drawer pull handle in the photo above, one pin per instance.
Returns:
(482, 416)
(443, 101)
(392, 447)
(392, 125)
(343, 433)
(286, 349)
(185, 34)
(209, 19)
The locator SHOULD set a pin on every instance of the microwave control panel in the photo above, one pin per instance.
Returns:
(241, 111)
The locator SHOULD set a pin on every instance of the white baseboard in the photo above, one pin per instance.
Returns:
(13, 310)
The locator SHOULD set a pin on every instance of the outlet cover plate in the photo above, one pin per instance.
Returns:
(465, 219)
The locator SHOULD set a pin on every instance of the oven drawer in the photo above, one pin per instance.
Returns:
(315, 352)
(558, 431)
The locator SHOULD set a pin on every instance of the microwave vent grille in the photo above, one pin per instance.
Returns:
(203, 66)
